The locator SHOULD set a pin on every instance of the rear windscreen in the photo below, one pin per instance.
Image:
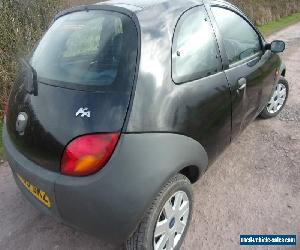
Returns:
(88, 49)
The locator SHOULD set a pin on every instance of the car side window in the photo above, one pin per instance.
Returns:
(194, 50)
(240, 39)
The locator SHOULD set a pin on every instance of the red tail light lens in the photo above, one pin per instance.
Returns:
(88, 154)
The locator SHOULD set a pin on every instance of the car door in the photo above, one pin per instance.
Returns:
(203, 105)
(249, 69)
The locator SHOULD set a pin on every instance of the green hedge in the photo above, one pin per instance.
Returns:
(21, 25)
(265, 11)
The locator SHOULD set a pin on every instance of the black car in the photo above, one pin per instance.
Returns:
(122, 105)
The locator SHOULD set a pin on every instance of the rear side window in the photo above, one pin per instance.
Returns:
(88, 49)
(240, 39)
(194, 51)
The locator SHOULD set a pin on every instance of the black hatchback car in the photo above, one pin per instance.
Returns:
(122, 105)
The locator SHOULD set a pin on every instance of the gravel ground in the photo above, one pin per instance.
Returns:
(253, 188)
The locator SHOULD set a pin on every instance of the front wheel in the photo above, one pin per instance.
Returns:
(165, 224)
(278, 100)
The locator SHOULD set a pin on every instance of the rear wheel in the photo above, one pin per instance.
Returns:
(165, 224)
(278, 99)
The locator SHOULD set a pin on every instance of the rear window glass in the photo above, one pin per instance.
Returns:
(88, 49)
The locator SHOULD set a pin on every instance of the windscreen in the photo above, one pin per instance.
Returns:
(88, 49)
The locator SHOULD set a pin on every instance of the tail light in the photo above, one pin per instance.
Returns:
(88, 154)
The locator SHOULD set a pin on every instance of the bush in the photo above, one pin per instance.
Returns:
(265, 11)
(22, 23)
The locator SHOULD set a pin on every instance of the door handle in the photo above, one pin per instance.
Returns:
(242, 83)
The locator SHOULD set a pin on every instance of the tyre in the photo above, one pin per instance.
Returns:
(166, 222)
(278, 99)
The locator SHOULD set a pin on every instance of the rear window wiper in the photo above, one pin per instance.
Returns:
(30, 78)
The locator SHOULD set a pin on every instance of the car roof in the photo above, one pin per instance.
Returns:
(143, 5)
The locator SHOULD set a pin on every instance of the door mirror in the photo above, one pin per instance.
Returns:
(276, 46)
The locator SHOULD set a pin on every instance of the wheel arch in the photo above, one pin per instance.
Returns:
(124, 190)
(192, 172)
(163, 155)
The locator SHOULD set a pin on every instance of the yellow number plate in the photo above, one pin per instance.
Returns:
(36, 192)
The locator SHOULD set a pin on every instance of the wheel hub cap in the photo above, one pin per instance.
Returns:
(171, 222)
(277, 99)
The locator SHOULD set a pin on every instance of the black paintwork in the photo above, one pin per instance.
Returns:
(166, 127)
(110, 204)
(210, 110)
(52, 122)
(51, 108)
(200, 109)
(259, 72)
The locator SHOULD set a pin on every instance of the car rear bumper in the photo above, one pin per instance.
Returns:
(24, 169)
(92, 204)
(111, 203)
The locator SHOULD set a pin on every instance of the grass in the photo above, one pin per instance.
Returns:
(1, 143)
(275, 26)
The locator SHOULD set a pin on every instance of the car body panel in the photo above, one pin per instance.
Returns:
(200, 109)
(52, 120)
(270, 76)
(53, 112)
(164, 127)
(39, 176)
(259, 71)
(111, 203)
(248, 102)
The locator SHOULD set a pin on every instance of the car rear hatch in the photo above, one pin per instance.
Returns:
(77, 81)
